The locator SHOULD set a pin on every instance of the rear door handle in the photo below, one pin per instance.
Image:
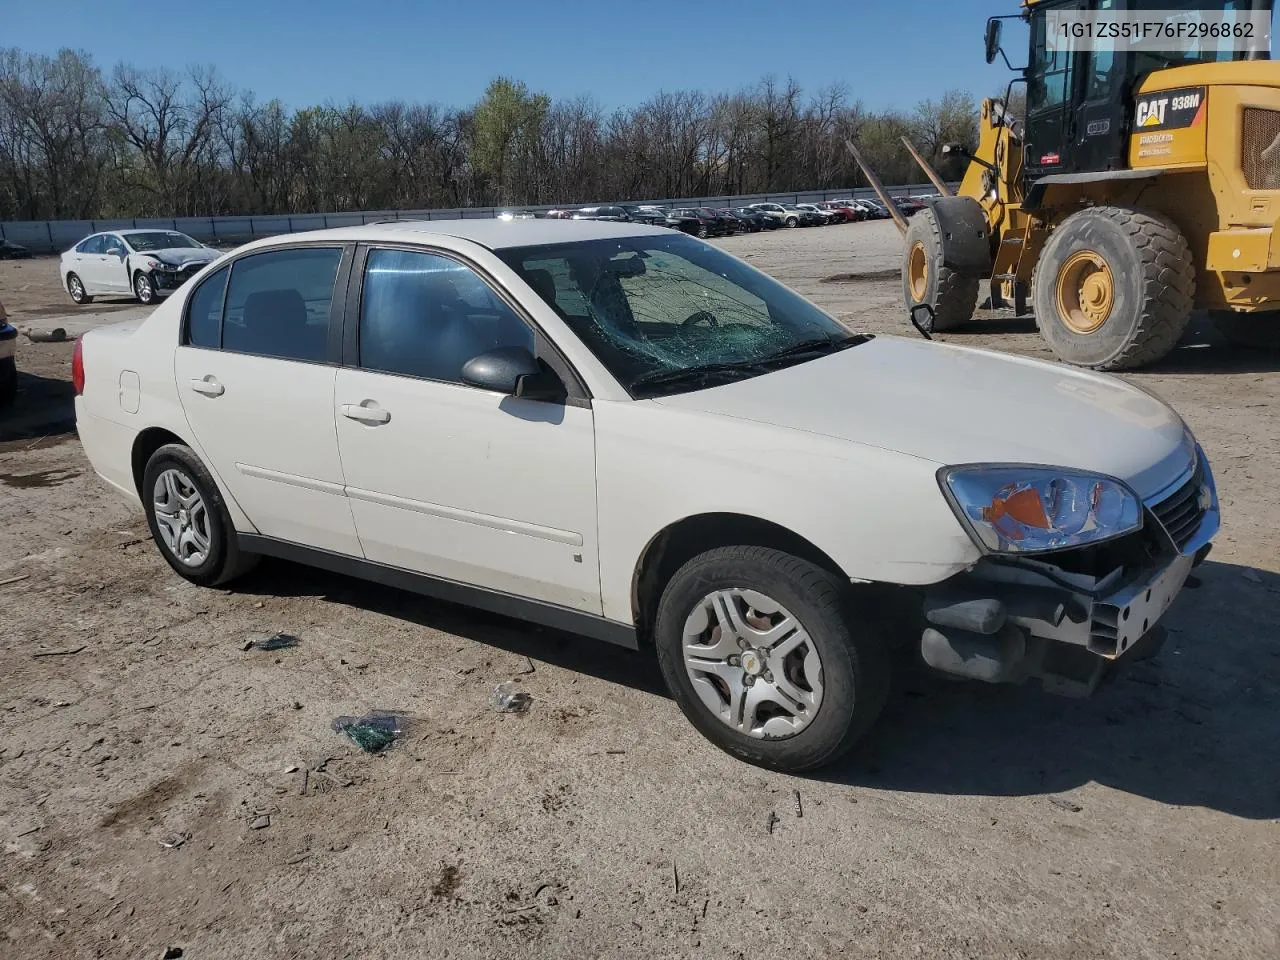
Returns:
(209, 386)
(366, 412)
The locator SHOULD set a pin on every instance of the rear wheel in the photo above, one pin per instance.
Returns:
(757, 648)
(75, 287)
(1258, 331)
(950, 296)
(1114, 288)
(189, 520)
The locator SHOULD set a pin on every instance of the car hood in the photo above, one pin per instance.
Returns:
(180, 256)
(952, 405)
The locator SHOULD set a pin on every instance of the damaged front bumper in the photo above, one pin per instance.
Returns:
(1065, 617)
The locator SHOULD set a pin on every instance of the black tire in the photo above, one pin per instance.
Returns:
(951, 296)
(855, 666)
(1254, 331)
(144, 288)
(75, 287)
(702, 231)
(8, 384)
(1153, 286)
(225, 560)
(791, 221)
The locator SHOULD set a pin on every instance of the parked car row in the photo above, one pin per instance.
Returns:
(719, 222)
(150, 264)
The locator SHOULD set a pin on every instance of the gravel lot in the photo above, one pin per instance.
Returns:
(976, 821)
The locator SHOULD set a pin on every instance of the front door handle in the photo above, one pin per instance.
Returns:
(209, 386)
(366, 412)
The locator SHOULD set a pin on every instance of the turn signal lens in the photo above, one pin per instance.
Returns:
(1028, 509)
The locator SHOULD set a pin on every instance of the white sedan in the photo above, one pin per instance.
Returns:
(627, 433)
(145, 264)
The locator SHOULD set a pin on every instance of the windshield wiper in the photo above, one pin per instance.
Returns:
(817, 346)
(697, 374)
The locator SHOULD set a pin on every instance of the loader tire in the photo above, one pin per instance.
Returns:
(1114, 288)
(1252, 330)
(951, 296)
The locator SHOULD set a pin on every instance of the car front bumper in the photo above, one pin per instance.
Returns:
(166, 281)
(1008, 619)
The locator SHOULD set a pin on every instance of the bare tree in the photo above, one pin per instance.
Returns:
(160, 143)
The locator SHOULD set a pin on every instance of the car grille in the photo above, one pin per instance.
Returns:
(1260, 148)
(1181, 511)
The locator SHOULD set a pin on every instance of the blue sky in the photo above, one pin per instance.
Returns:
(888, 54)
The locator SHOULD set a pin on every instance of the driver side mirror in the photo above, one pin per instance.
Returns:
(513, 371)
(994, 27)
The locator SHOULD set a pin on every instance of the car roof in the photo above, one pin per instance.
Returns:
(487, 232)
(131, 231)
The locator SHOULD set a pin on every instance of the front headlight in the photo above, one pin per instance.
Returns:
(1026, 509)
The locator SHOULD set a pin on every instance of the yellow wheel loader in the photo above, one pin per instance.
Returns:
(1137, 188)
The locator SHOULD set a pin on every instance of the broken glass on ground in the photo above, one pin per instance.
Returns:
(507, 699)
(374, 732)
(280, 641)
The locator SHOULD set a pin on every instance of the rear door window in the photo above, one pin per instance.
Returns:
(277, 303)
(204, 311)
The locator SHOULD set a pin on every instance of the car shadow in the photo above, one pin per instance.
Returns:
(1200, 350)
(44, 406)
(1203, 350)
(1198, 725)
(595, 658)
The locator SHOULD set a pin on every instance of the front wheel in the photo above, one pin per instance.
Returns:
(791, 221)
(950, 296)
(757, 648)
(188, 518)
(143, 288)
(702, 231)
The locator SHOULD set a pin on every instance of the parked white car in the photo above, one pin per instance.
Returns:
(146, 264)
(624, 432)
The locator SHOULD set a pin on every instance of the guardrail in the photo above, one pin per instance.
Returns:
(53, 236)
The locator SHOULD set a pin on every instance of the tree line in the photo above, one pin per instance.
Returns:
(78, 142)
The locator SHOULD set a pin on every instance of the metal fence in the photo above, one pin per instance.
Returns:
(52, 236)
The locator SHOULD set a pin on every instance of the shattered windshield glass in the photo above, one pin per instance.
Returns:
(160, 241)
(668, 314)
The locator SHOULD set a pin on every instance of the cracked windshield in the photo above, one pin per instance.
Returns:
(670, 314)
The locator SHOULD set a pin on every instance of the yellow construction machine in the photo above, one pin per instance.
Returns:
(1138, 188)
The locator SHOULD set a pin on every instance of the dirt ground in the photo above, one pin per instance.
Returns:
(974, 822)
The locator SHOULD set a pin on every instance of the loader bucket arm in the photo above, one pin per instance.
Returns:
(878, 187)
(929, 172)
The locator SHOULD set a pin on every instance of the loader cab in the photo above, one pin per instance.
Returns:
(1080, 100)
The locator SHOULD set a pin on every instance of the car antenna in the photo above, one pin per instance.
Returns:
(917, 324)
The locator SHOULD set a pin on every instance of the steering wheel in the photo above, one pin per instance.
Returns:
(700, 317)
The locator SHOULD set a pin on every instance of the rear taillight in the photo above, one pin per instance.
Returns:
(77, 367)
